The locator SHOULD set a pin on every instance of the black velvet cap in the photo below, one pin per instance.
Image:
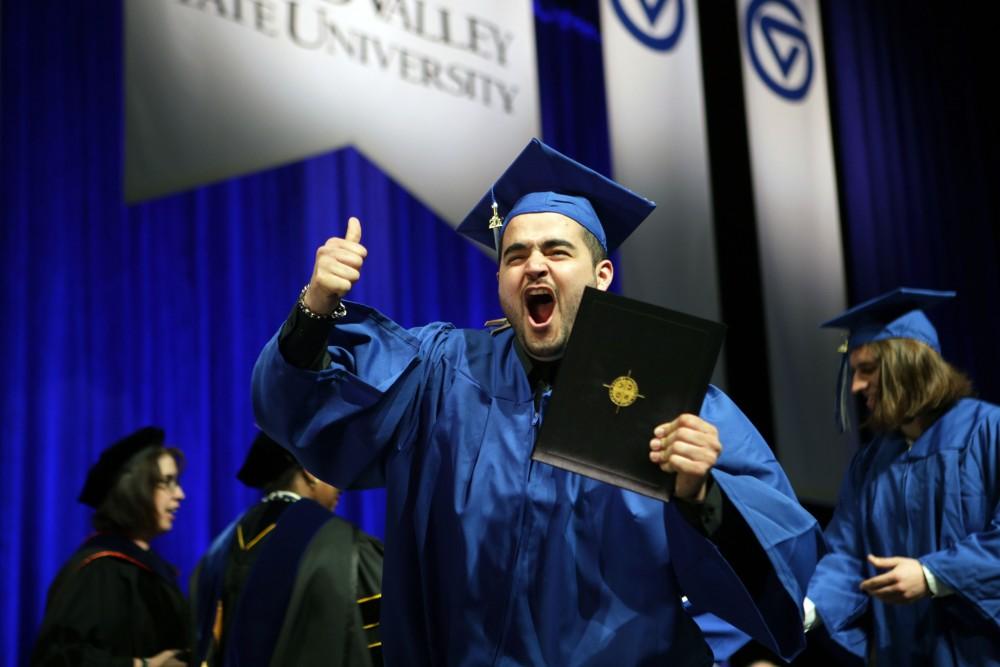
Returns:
(265, 462)
(109, 467)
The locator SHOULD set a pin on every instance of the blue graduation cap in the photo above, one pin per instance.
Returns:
(895, 314)
(542, 179)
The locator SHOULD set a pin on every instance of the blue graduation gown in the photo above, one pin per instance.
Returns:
(492, 558)
(937, 502)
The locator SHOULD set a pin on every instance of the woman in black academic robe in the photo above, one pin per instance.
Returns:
(116, 602)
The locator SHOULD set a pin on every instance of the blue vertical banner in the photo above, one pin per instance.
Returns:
(656, 115)
(798, 227)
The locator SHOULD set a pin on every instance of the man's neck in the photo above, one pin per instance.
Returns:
(538, 370)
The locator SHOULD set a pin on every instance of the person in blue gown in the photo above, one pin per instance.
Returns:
(491, 557)
(913, 575)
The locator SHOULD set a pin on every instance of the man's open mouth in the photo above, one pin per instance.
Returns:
(540, 303)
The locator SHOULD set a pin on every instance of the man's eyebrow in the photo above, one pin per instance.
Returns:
(548, 244)
(557, 243)
(514, 247)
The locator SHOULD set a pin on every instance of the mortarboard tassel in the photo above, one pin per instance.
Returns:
(496, 225)
(843, 391)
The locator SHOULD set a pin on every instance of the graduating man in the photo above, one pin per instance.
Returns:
(494, 558)
(288, 583)
(913, 573)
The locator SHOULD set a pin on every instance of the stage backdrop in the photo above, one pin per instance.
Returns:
(121, 316)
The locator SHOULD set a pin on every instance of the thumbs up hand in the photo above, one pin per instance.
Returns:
(337, 268)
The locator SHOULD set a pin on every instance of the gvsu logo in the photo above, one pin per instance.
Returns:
(779, 48)
(656, 23)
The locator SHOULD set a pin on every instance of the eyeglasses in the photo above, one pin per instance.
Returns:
(170, 483)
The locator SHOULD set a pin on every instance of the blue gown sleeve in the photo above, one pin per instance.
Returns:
(834, 587)
(770, 609)
(339, 421)
(971, 565)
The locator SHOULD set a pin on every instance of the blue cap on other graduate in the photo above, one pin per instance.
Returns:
(895, 314)
(542, 179)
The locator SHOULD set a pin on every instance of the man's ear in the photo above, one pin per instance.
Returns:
(604, 272)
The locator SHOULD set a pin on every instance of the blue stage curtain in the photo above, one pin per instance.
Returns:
(918, 139)
(123, 316)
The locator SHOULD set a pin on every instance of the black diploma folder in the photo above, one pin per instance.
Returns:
(629, 366)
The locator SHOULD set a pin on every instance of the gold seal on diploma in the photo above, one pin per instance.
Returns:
(623, 391)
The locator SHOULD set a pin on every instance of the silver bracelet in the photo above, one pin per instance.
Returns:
(339, 311)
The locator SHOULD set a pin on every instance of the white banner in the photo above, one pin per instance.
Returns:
(656, 113)
(436, 92)
(798, 226)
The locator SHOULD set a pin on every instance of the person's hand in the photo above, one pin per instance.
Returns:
(173, 660)
(902, 584)
(337, 268)
(170, 658)
(688, 446)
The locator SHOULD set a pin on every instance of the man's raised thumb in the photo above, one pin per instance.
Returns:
(353, 230)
